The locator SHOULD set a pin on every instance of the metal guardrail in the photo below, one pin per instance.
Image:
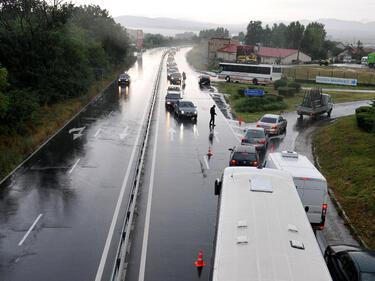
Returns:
(126, 228)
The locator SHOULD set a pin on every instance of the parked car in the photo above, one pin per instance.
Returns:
(350, 263)
(175, 78)
(243, 155)
(273, 124)
(204, 80)
(187, 109)
(123, 80)
(256, 137)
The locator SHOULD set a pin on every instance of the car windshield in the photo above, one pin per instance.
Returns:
(245, 156)
(268, 120)
(123, 76)
(173, 96)
(254, 134)
(186, 104)
(176, 74)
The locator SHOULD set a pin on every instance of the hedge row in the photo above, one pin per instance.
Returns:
(366, 118)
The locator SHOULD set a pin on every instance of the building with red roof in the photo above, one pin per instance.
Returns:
(227, 53)
(270, 55)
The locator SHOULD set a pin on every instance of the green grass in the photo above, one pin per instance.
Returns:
(349, 165)
(310, 85)
(337, 97)
(309, 72)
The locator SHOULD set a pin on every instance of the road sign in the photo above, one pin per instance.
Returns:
(254, 92)
(335, 80)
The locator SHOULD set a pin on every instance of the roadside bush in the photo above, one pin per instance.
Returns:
(365, 116)
(257, 104)
(295, 85)
(280, 83)
(286, 91)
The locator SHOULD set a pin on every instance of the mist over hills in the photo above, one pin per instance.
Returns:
(338, 30)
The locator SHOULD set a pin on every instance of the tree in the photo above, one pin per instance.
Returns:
(294, 35)
(4, 100)
(219, 32)
(313, 39)
(278, 36)
(254, 33)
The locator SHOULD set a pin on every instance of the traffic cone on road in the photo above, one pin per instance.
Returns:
(240, 121)
(209, 153)
(199, 262)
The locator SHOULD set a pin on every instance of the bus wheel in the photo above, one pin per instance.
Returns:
(255, 81)
(227, 79)
(371, 65)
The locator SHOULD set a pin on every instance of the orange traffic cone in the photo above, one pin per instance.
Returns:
(199, 262)
(240, 121)
(209, 153)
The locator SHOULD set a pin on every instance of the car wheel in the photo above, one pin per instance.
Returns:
(227, 79)
(300, 116)
(371, 65)
(255, 81)
(329, 113)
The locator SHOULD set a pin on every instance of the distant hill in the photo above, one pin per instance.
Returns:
(339, 30)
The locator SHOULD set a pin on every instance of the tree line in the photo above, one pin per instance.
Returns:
(50, 53)
(310, 39)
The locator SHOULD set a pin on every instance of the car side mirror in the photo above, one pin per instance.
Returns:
(230, 149)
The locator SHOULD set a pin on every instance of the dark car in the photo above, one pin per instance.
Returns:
(183, 108)
(171, 98)
(175, 78)
(273, 124)
(123, 80)
(204, 80)
(256, 137)
(170, 72)
(350, 263)
(243, 155)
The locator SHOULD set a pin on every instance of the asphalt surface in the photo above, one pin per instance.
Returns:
(58, 219)
(177, 208)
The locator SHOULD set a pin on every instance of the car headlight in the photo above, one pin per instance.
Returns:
(182, 112)
(195, 112)
(168, 102)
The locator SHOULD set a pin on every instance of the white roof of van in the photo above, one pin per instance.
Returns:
(256, 230)
(299, 166)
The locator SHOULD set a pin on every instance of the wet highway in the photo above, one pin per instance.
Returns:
(60, 211)
(177, 208)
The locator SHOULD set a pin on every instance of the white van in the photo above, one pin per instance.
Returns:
(262, 230)
(364, 60)
(310, 183)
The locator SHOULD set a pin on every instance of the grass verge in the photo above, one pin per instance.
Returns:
(14, 149)
(337, 97)
(349, 166)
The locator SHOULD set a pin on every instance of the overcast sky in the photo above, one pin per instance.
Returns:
(241, 11)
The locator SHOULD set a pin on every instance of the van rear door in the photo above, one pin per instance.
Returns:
(314, 196)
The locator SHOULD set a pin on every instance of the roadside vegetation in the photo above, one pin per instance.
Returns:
(349, 165)
(53, 59)
(238, 101)
(198, 61)
(364, 76)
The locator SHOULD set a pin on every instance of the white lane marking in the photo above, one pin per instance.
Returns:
(75, 164)
(171, 132)
(216, 138)
(142, 266)
(206, 161)
(30, 229)
(111, 230)
(195, 130)
(124, 133)
(97, 132)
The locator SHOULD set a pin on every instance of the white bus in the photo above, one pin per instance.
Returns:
(262, 230)
(249, 73)
(310, 183)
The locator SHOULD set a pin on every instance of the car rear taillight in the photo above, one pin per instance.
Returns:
(273, 127)
(262, 141)
(243, 140)
(233, 162)
(324, 212)
(255, 163)
(258, 125)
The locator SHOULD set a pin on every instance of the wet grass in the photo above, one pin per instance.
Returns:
(337, 97)
(346, 87)
(349, 165)
(15, 148)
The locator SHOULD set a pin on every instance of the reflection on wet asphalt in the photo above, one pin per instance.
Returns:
(57, 208)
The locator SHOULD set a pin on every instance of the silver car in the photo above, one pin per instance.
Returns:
(256, 137)
(273, 124)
